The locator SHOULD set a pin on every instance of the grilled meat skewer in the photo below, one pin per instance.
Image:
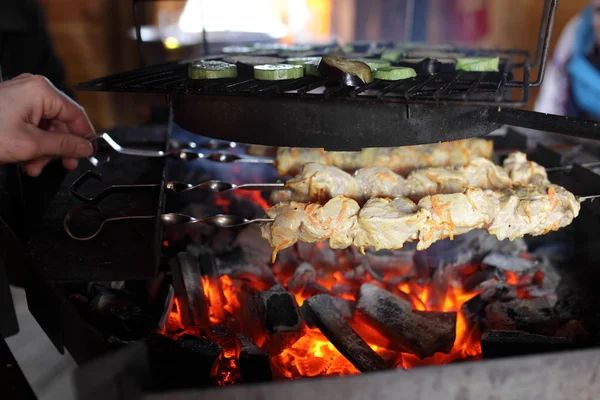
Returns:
(401, 160)
(320, 183)
(384, 223)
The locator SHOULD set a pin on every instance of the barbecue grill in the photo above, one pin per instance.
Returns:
(138, 254)
(314, 112)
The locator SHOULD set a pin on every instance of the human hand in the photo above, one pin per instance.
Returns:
(38, 122)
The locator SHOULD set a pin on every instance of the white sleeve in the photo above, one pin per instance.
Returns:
(554, 92)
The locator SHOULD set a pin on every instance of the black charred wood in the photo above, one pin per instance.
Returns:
(208, 265)
(474, 308)
(256, 275)
(252, 316)
(420, 333)
(282, 320)
(183, 363)
(164, 305)
(497, 344)
(187, 282)
(304, 281)
(534, 316)
(320, 311)
(116, 313)
(509, 262)
(254, 363)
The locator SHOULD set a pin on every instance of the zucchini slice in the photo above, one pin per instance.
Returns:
(238, 50)
(311, 64)
(351, 73)
(211, 70)
(246, 63)
(473, 64)
(276, 72)
(302, 60)
(395, 73)
(374, 63)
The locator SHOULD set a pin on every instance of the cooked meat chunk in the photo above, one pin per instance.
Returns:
(320, 182)
(401, 160)
(387, 224)
(519, 169)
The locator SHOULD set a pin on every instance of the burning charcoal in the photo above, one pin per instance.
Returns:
(194, 249)
(304, 281)
(256, 250)
(283, 323)
(233, 264)
(573, 330)
(442, 254)
(154, 286)
(479, 278)
(320, 311)
(253, 317)
(344, 307)
(497, 344)
(420, 333)
(183, 363)
(521, 314)
(253, 362)
(116, 313)
(391, 262)
(508, 262)
(208, 265)
(304, 274)
(187, 283)
(165, 308)
(474, 309)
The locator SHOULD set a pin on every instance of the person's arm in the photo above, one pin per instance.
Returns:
(38, 122)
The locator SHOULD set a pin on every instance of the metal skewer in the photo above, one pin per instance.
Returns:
(581, 199)
(569, 167)
(170, 219)
(183, 154)
(171, 187)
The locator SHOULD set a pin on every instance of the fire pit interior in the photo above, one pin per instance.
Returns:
(218, 312)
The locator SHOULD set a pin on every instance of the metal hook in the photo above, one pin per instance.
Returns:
(107, 191)
(74, 210)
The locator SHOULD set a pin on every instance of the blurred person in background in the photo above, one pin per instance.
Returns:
(572, 83)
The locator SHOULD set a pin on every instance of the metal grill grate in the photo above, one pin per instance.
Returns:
(469, 88)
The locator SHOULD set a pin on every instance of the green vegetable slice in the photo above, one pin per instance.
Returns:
(395, 73)
(392, 55)
(238, 50)
(211, 70)
(373, 63)
(312, 68)
(472, 64)
(276, 72)
(302, 60)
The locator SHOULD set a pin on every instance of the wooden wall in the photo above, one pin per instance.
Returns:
(90, 37)
(515, 23)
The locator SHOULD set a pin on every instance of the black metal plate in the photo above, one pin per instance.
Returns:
(335, 125)
(122, 251)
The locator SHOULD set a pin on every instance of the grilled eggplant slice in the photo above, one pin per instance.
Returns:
(350, 73)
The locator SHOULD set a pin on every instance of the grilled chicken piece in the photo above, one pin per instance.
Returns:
(311, 223)
(401, 160)
(520, 169)
(319, 182)
(388, 224)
